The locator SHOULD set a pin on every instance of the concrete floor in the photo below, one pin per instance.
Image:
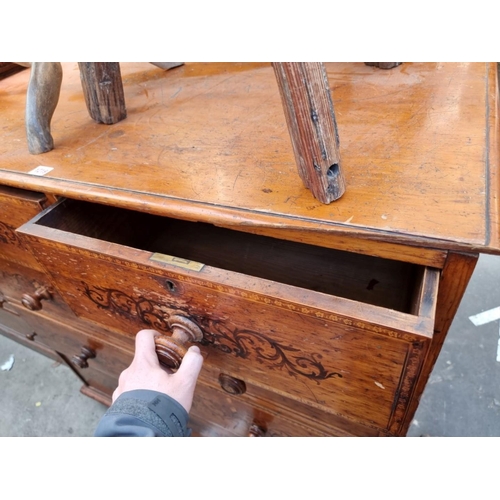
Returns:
(39, 397)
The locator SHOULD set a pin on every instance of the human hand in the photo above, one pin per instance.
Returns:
(145, 371)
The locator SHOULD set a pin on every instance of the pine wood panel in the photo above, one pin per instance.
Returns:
(109, 358)
(17, 206)
(264, 402)
(215, 413)
(17, 280)
(454, 280)
(23, 336)
(209, 142)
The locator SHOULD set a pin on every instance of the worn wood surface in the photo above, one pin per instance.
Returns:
(9, 68)
(13, 326)
(110, 357)
(422, 141)
(209, 142)
(17, 206)
(454, 280)
(309, 113)
(261, 406)
(215, 413)
(383, 65)
(103, 91)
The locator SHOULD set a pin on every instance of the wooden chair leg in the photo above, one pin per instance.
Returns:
(44, 88)
(310, 117)
(167, 65)
(383, 65)
(103, 90)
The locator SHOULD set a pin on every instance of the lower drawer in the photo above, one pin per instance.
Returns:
(215, 413)
(11, 317)
(82, 350)
(99, 374)
(32, 288)
(231, 391)
(14, 326)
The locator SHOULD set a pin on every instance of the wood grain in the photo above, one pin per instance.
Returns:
(340, 342)
(17, 206)
(454, 280)
(210, 142)
(308, 107)
(103, 91)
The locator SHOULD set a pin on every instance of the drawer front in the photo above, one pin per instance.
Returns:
(17, 207)
(239, 393)
(354, 360)
(215, 413)
(32, 288)
(63, 343)
(12, 318)
(14, 327)
(77, 345)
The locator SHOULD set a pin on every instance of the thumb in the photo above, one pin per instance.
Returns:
(191, 364)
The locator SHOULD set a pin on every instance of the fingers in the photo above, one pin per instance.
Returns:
(191, 364)
(145, 346)
(145, 351)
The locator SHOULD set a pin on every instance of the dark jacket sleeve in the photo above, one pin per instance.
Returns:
(144, 413)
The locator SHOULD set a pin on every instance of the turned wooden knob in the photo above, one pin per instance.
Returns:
(85, 354)
(172, 349)
(33, 302)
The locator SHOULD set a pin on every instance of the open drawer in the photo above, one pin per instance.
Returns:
(341, 332)
(17, 207)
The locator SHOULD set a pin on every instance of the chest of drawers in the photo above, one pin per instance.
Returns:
(315, 319)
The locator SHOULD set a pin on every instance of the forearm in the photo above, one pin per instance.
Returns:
(144, 413)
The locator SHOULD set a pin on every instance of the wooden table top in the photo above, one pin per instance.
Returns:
(419, 149)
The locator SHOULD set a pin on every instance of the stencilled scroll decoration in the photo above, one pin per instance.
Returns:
(8, 235)
(242, 343)
(144, 310)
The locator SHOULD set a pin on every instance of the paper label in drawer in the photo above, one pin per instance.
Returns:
(177, 261)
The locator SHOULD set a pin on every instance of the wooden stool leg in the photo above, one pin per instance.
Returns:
(383, 65)
(43, 94)
(167, 65)
(103, 91)
(308, 107)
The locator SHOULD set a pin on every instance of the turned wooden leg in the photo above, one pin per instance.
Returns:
(103, 90)
(383, 65)
(308, 106)
(43, 94)
(167, 65)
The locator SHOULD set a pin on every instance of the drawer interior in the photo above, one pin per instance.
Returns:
(372, 280)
